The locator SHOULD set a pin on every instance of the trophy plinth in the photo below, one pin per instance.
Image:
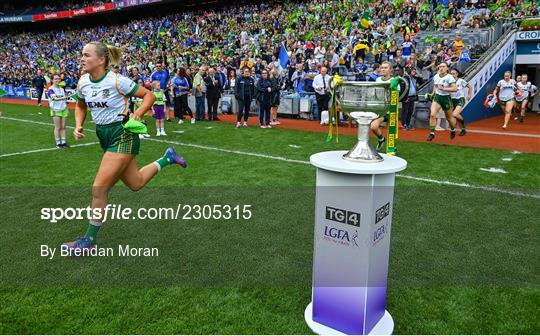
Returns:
(362, 151)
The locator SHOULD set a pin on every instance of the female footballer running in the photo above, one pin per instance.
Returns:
(526, 90)
(386, 76)
(443, 85)
(106, 95)
(506, 89)
(458, 100)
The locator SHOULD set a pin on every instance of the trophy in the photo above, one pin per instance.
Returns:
(364, 102)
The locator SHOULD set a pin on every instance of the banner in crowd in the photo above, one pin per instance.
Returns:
(30, 93)
(14, 19)
(131, 3)
(15, 92)
(69, 93)
(76, 12)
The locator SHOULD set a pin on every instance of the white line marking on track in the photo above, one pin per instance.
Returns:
(279, 158)
(526, 135)
(494, 170)
(46, 149)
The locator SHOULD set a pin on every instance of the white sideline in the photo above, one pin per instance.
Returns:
(45, 149)
(279, 158)
(526, 135)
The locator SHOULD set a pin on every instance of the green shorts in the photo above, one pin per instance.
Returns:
(458, 102)
(114, 138)
(444, 101)
(62, 114)
(503, 102)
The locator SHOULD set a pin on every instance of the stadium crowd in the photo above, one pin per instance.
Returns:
(346, 35)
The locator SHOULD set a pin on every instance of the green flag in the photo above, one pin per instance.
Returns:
(365, 20)
(162, 31)
(143, 45)
(2, 92)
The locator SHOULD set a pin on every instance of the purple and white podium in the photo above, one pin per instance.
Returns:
(353, 216)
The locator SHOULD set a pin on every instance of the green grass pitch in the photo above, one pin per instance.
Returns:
(464, 251)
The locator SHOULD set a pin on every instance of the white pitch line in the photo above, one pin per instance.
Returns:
(279, 158)
(38, 122)
(231, 151)
(45, 149)
(526, 135)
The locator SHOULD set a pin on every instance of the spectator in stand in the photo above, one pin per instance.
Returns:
(360, 71)
(231, 81)
(320, 52)
(374, 74)
(310, 75)
(458, 46)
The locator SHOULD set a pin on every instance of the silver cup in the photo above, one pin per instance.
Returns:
(364, 102)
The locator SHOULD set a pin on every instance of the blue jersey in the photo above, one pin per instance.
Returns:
(179, 81)
(407, 48)
(161, 76)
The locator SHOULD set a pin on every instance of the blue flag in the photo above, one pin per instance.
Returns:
(283, 56)
(464, 57)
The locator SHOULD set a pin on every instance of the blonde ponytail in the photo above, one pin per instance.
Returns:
(111, 53)
(114, 55)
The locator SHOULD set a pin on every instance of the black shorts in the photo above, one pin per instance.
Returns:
(168, 100)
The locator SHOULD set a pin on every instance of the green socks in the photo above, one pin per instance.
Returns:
(162, 162)
(431, 129)
(92, 231)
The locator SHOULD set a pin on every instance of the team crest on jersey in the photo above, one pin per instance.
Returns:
(106, 93)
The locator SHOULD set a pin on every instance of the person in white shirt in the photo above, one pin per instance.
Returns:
(527, 92)
(458, 99)
(320, 52)
(59, 111)
(443, 85)
(506, 89)
(322, 90)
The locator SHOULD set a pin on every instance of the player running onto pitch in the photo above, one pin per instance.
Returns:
(458, 99)
(506, 89)
(106, 94)
(443, 85)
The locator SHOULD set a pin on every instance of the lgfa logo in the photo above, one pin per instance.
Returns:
(340, 236)
(381, 231)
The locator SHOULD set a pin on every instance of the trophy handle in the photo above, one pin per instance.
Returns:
(406, 82)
